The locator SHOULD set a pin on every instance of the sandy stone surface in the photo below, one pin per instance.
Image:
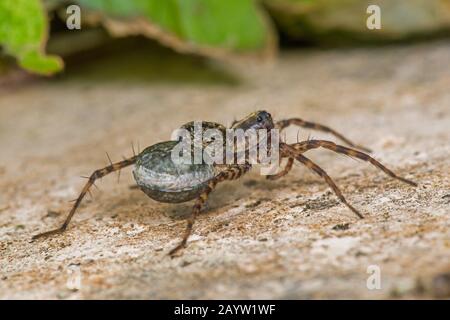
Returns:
(286, 239)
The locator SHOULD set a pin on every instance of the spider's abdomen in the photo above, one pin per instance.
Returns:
(166, 181)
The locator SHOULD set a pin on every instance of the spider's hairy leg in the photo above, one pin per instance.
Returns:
(282, 124)
(231, 173)
(313, 144)
(283, 172)
(314, 167)
(97, 174)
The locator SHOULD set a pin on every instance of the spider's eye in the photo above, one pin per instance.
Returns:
(259, 119)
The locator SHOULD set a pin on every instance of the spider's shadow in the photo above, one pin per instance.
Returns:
(224, 195)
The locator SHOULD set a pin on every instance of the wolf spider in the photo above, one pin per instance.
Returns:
(164, 181)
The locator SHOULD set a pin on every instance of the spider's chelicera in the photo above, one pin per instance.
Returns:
(178, 170)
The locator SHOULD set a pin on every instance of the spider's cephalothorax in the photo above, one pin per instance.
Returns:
(256, 120)
(164, 180)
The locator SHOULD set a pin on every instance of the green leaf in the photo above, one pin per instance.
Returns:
(23, 34)
(212, 27)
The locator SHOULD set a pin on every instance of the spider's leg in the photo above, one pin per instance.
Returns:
(231, 173)
(316, 126)
(312, 144)
(97, 174)
(283, 172)
(314, 167)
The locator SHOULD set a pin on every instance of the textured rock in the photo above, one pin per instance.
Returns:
(258, 239)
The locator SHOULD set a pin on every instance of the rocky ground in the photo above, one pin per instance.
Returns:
(286, 239)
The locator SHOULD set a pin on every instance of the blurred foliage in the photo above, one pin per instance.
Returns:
(222, 29)
(23, 34)
(216, 28)
(191, 24)
(344, 21)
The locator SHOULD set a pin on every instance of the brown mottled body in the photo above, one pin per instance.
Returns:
(152, 184)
